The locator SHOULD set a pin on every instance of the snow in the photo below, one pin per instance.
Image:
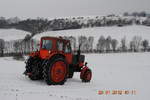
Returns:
(125, 71)
(12, 34)
(115, 32)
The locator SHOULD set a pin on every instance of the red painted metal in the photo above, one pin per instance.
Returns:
(83, 71)
(34, 54)
(58, 71)
(88, 75)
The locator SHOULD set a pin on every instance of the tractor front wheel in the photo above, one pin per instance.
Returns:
(86, 75)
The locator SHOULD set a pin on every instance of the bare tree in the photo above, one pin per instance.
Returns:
(27, 37)
(83, 42)
(2, 45)
(90, 43)
(73, 42)
(114, 43)
(101, 44)
(16, 46)
(132, 46)
(145, 44)
(123, 44)
(136, 42)
(86, 43)
(108, 43)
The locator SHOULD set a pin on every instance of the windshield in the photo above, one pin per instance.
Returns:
(47, 44)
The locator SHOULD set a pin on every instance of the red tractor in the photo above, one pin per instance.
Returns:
(55, 62)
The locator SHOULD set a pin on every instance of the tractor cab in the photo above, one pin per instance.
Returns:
(52, 45)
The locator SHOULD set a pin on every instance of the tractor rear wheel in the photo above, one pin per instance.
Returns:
(33, 70)
(55, 71)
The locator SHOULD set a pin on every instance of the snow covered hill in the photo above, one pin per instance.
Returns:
(125, 71)
(115, 32)
(12, 34)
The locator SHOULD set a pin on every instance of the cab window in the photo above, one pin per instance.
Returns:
(47, 44)
(68, 48)
(60, 45)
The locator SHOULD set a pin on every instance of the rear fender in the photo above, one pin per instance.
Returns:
(33, 54)
(55, 54)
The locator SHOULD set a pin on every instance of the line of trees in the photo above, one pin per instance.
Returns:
(108, 44)
(40, 25)
(137, 14)
(103, 45)
(113, 45)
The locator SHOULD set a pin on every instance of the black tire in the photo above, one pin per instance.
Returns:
(48, 68)
(84, 78)
(33, 67)
(71, 71)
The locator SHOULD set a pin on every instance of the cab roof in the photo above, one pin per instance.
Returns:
(55, 38)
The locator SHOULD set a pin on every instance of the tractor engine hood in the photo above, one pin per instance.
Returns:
(44, 54)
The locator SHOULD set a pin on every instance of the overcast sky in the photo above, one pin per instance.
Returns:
(66, 8)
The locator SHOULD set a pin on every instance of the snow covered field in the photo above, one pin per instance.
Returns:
(125, 71)
(115, 32)
(12, 34)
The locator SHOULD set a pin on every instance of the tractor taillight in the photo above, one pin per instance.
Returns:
(81, 64)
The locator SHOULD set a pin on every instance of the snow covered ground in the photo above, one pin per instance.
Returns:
(115, 32)
(12, 34)
(125, 71)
